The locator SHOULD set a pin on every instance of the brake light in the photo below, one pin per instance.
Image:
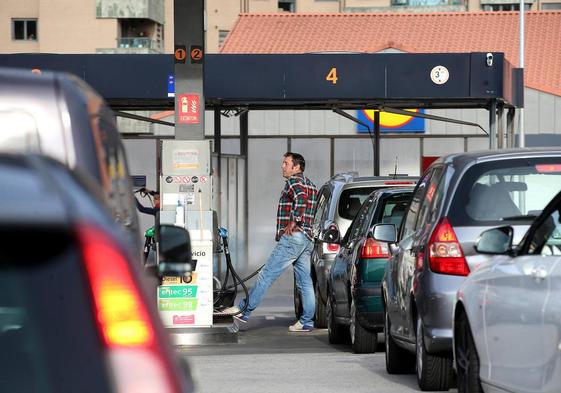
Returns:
(374, 249)
(137, 360)
(330, 248)
(548, 168)
(445, 253)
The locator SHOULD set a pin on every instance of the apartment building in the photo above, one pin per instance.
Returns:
(85, 26)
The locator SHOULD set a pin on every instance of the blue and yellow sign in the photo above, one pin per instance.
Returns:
(390, 122)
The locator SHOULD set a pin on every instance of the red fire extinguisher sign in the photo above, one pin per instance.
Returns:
(189, 109)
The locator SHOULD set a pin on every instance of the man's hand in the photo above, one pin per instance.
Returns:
(290, 228)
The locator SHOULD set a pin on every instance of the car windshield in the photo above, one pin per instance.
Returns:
(352, 199)
(506, 191)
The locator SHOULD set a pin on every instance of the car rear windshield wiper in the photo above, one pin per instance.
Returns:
(520, 218)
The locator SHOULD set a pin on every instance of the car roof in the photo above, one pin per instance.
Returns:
(460, 160)
(41, 191)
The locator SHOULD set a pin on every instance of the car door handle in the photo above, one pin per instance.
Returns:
(539, 273)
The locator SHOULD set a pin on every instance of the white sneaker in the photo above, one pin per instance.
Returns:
(231, 310)
(298, 327)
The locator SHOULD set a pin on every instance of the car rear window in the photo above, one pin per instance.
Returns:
(352, 199)
(512, 191)
(48, 338)
(393, 210)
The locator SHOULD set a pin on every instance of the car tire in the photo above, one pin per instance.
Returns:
(335, 332)
(298, 310)
(321, 309)
(434, 373)
(398, 360)
(467, 360)
(362, 340)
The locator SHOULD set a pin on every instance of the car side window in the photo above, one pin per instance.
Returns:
(322, 203)
(354, 230)
(410, 220)
(546, 240)
(431, 199)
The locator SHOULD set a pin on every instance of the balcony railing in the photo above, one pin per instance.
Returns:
(139, 43)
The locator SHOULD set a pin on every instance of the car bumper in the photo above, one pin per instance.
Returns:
(322, 268)
(368, 293)
(435, 305)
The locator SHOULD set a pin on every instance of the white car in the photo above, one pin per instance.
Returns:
(507, 316)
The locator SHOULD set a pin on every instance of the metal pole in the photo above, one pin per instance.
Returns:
(244, 147)
(377, 143)
(522, 133)
(510, 127)
(493, 125)
(501, 128)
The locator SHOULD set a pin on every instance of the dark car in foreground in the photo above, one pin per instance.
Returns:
(458, 197)
(74, 314)
(507, 325)
(60, 116)
(354, 298)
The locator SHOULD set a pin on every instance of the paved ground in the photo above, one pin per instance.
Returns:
(270, 359)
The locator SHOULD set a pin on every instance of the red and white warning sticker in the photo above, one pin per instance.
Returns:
(203, 179)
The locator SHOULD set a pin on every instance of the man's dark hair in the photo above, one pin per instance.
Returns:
(297, 159)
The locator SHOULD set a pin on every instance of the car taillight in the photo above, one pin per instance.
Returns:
(374, 249)
(445, 253)
(330, 248)
(136, 358)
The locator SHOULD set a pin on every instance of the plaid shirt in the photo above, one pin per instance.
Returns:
(297, 203)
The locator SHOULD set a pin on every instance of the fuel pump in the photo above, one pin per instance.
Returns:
(186, 200)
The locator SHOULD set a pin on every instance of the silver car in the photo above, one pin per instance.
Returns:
(458, 197)
(507, 317)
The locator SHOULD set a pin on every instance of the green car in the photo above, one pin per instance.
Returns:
(354, 301)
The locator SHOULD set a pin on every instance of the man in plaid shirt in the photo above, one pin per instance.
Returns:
(295, 213)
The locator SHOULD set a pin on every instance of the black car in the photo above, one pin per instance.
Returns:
(354, 301)
(74, 314)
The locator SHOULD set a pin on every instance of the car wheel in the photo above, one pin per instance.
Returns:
(321, 320)
(467, 360)
(433, 372)
(298, 310)
(335, 332)
(362, 340)
(398, 360)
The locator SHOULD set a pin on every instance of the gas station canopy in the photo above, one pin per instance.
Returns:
(298, 81)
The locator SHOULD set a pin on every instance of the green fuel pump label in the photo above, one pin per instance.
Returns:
(177, 304)
(177, 291)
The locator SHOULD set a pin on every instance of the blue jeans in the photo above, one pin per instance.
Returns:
(297, 250)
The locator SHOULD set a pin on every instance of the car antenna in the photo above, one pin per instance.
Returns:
(395, 169)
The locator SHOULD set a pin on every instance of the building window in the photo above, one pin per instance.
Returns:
(222, 34)
(551, 6)
(287, 5)
(505, 7)
(24, 29)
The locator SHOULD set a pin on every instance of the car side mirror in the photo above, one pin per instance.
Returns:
(495, 241)
(330, 235)
(384, 232)
(174, 251)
